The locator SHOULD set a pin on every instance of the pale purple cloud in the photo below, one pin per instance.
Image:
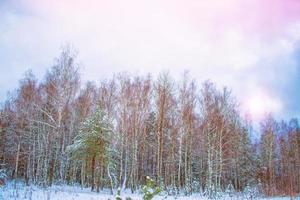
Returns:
(248, 45)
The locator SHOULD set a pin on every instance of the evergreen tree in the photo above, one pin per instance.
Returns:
(150, 190)
(92, 144)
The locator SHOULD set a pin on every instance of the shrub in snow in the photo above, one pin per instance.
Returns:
(213, 192)
(196, 186)
(217, 194)
(150, 190)
(118, 196)
(2, 176)
(251, 192)
(230, 190)
(171, 190)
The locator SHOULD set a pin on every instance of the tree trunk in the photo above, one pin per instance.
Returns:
(110, 179)
(17, 161)
(179, 163)
(93, 172)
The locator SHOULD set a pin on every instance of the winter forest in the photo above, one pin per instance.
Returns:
(186, 137)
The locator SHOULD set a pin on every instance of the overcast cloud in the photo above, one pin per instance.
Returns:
(251, 46)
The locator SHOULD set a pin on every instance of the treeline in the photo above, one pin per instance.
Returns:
(114, 134)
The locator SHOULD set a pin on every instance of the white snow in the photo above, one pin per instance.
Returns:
(65, 192)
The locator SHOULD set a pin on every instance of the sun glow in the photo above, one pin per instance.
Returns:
(260, 104)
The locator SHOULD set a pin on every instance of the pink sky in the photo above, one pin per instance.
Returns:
(248, 45)
(249, 15)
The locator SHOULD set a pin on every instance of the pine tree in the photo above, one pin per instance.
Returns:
(92, 144)
(150, 190)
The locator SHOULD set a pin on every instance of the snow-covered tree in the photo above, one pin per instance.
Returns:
(150, 190)
(91, 145)
(132, 126)
(269, 130)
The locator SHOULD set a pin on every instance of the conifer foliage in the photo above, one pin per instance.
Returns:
(91, 145)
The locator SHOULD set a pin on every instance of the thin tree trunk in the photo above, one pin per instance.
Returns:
(110, 179)
(17, 161)
(93, 172)
(179, 163)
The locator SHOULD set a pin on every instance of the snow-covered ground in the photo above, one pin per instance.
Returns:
(21, 192)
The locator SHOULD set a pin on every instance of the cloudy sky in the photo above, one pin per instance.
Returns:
(252, 46)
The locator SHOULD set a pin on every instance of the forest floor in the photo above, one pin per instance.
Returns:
(65, 192)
